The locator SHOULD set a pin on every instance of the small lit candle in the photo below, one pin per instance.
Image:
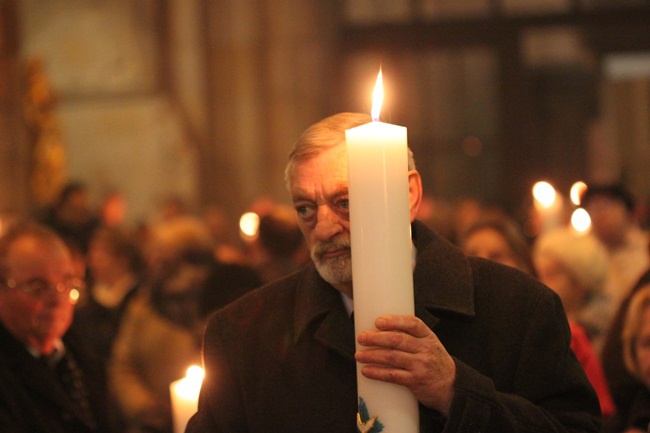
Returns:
(380, 230)
(185, 396)
(548, 204)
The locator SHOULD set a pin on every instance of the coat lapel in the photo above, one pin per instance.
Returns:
(319, 307)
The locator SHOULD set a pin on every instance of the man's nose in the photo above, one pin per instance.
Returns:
(328, 225)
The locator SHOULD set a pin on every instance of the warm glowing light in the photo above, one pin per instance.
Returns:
(249, 224)
(577, 189)
(184, 397)
(190, 386)
(74, 296)
(544, 193)
(580, 220)
(195, 374)
(377, 98)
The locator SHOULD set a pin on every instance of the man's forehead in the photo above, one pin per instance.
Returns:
(29, 251)
(333, 188)
(328, 169)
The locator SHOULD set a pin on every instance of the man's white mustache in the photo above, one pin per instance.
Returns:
(324, 248)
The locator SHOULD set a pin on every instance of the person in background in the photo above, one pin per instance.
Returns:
(487, 351)
(112, 210)
(160, 333)
(636, 354)
(279, 248)
(72, 217)
(465, 212)
(173, 206)
(612, 211)
(116, 267)
(158, 336)
(499, 239)
(229, 247)
(574, 265)
(48, 383)
(623, 384)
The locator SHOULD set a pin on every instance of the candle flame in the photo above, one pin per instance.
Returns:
(377, 98)
(580, 220)
(544, 194)
(195, 373)
(190, 386)
(577, 189)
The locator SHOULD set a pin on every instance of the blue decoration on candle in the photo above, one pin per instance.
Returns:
(366, 424)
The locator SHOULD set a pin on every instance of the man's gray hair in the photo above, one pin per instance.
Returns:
(326, 134)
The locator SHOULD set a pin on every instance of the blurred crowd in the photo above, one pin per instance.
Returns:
(148, 290)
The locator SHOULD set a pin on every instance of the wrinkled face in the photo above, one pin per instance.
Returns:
(490, 244)
(319, 191)
(642, 347)
(37, 320)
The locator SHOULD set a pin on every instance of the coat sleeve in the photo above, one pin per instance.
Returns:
(550, 392)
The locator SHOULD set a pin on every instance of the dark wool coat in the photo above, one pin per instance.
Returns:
(32, 400)
(281, 358)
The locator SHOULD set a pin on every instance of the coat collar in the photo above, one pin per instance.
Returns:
(320, 304)
(442, 279)
(442, 282)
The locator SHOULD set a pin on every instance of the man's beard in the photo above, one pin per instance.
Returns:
(335, 271)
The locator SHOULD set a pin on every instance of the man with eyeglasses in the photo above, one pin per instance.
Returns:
(46, 385)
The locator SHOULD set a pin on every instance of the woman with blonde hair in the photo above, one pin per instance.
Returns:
(574, 266)
(636, 355)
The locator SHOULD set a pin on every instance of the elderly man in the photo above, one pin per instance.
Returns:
(488, 349)
(44, 384)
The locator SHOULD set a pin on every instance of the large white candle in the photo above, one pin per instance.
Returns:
(381, 256)
(185, 396)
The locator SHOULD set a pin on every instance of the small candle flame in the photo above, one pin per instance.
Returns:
(190, 386)
(544, 194)
(580, 220)
(577, 189)
(195, 373)
(377, 98)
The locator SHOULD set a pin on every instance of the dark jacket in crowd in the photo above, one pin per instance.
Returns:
(638, 415)
(33, 400)
(281, 359)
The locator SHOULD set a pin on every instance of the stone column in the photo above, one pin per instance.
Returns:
(269, 63)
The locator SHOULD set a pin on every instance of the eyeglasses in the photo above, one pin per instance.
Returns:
(40, 289)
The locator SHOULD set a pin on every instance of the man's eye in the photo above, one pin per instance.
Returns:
(35, 286)
(344, 203)
(304, 211)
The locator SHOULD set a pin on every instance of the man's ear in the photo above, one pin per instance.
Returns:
(415, 192)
